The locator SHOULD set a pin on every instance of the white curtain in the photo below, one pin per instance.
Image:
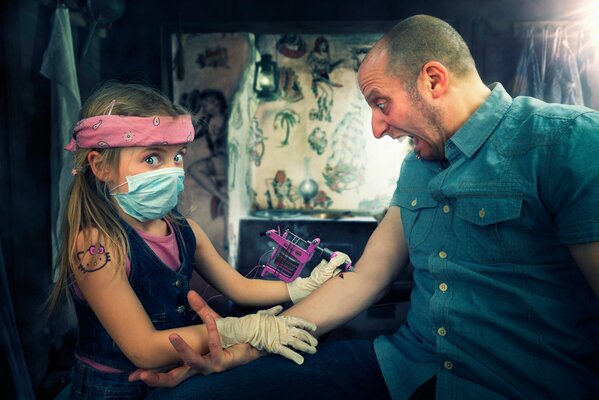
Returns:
(59, 67)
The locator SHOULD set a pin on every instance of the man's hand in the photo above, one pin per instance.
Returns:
(217, 360)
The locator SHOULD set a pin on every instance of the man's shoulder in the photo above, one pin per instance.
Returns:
(533, 123)
(529, 108)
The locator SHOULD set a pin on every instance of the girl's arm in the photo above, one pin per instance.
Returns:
(226, 279)
(108, 292)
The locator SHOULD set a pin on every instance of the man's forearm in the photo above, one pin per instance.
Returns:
(338, 300)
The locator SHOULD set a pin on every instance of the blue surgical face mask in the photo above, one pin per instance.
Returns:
(151, 194)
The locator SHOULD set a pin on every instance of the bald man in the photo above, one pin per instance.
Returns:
(496, 208)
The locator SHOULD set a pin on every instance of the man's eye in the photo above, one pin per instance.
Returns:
(152, 160)
(381, 106)
(179, 158)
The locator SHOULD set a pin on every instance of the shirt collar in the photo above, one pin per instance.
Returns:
(477, 129)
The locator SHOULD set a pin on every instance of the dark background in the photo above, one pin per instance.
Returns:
(131, 48)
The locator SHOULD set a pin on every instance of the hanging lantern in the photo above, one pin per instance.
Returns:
(266, 78)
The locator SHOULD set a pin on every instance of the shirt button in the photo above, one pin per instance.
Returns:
(482, 213)
(414, 202)
(442, 254)
(181, 309)
(178, 283)
(443, 287)
(448, 365)
(441, 331)
(446, 209)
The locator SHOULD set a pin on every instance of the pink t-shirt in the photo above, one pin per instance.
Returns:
(167, 249)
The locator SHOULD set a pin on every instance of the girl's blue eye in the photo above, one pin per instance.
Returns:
(179, 158)
(152, 160)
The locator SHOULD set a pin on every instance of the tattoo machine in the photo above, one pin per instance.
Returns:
(292, 253)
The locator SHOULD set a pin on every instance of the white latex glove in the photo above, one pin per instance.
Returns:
(265, 331)
(301, 287)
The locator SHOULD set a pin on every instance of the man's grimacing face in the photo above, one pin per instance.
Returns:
(397, 112)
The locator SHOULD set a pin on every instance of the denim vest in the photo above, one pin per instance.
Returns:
(161, 291)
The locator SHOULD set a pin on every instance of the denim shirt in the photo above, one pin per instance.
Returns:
(499, 308)
(161, 291)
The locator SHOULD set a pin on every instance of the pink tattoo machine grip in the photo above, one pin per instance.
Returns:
(292, 253)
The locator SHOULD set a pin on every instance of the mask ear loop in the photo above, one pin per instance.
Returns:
(111, 191)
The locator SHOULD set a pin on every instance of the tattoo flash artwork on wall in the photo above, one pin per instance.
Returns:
(264, 143)
(357, 55)
(256, 146)
(292, 46)
(330, 124)
(322, 200)
(251, 193)
(291, 90)
(213, 57)
(214, 65)
(318, 140)
(209, 171)
(345, 166)
(321, 66)
(233, 162)
(285, 120)
(236, 120)
(281, 192)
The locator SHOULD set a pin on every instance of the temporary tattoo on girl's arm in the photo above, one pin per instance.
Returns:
(93, 259)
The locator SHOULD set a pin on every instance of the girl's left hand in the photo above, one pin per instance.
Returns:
(302, 287)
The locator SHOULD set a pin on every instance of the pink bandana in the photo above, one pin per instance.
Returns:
(103, 131)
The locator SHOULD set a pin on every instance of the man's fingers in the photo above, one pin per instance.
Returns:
(199, 305)
(151, 378)
(168, 379)
(214, 343)
(140, 373)
(187, 354)
(134, 376)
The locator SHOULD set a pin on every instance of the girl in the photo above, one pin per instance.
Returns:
(130, 255)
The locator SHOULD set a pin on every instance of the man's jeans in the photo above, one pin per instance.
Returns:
(339, 370)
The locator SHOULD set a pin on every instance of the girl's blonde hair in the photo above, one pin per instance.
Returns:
(88, 204)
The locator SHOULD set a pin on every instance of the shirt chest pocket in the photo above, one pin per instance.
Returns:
(417, 216)
(490, 229)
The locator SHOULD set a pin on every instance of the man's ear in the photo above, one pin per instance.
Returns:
(98, 166)
(435, 78)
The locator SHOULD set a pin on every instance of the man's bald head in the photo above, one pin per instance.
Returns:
(414, 41)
